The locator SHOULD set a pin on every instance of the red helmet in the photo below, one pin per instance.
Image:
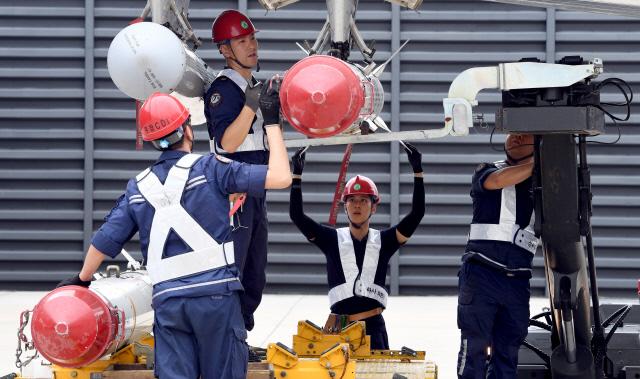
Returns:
(160, 116)
(231, 24)
(361, 185)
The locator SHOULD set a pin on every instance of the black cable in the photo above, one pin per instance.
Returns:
(628, 97)
(544, 356)
(610, 143)
(625, 311)
(543, 314)
(618, 83)
(614, 315)
(540, 324)
(491, 141)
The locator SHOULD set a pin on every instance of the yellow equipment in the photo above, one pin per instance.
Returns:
(347, 355)
(133, 357)
(333, 363)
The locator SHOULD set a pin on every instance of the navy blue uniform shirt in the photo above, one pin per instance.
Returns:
(486, 210)
(223, 102)
(205, 198)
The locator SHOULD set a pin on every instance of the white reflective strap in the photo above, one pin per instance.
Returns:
(526, 240)
(463, 360)
(190, 263)
(347, 256)
(341, 292)
(532, 222)
(187, 161)
(235, 76)
(170, 216)
(371, 256)
(144, 173)
(508, 205)
(252, 142)
(372, 291)
(496, 232)
(506, 233)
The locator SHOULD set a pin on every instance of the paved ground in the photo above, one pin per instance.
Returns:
(422, 323)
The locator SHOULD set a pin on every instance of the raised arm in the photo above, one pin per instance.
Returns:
(410, 222)
(278, 174)
(306, 224)
(508, 176)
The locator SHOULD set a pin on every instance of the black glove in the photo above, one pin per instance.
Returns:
(74, 281)
(414, 156)
(270, 101)
(298, 160)
(252, 96)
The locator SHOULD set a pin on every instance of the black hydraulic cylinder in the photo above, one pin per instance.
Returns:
(564, 256)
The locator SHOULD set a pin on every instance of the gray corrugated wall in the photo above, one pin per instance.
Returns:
(67, 134)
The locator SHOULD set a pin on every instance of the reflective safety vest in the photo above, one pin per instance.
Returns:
(255, 141)
(169, 215)
(506, 229)
(358, 283)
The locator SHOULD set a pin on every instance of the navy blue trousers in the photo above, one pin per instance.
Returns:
(200, 337)
(250, 248)
(377, 329)
(493, 311)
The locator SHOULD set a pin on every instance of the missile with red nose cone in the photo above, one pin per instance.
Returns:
(73, 326)
(322, 96)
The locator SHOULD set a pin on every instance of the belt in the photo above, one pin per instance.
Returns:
(474, 257)
(335, 322)
(506, 233)
(365, 314)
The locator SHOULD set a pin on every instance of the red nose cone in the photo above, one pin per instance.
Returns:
(72, 326)
(321, 96)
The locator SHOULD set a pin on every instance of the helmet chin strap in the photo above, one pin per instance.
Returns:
(516, 161)
(235, 59)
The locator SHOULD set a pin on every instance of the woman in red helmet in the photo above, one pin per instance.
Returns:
(236, 131)
(357, 255)
(180, 208)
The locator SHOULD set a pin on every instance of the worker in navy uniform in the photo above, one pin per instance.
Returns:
(180, 208)
(357, 255)
(236, 131)
(493, 299)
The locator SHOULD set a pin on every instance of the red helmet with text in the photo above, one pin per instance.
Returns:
(361, 185)
(231, 24)
(160, 120)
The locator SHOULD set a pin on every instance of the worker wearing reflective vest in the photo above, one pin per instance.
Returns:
(236, 131)
(357, 255)
(493, 299)
(180, 208)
